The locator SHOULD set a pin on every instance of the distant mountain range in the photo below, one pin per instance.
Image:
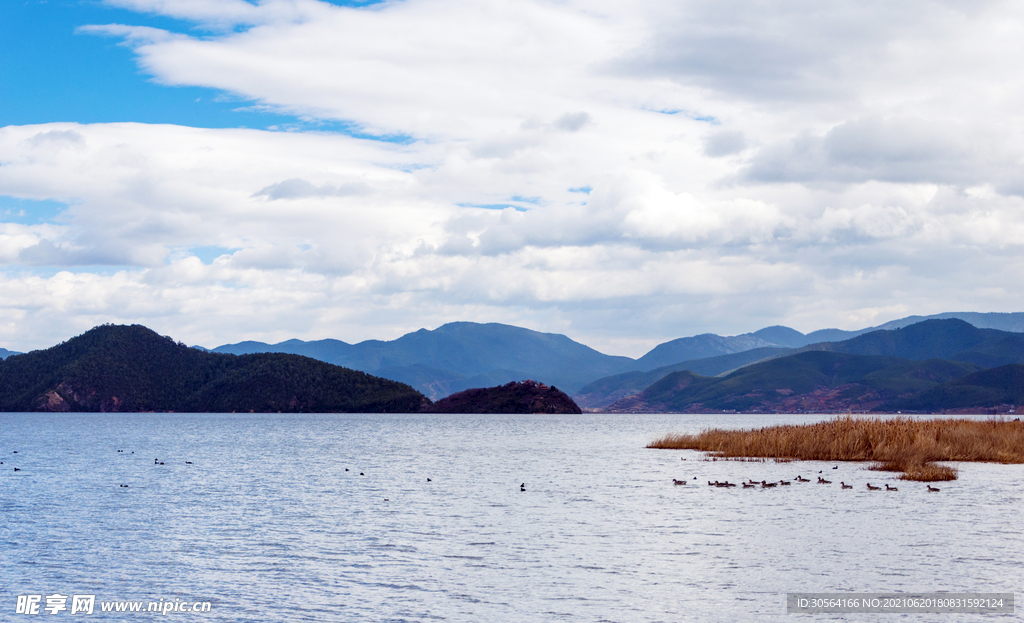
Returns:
(931, 365)
(939, 364)
(464, 355)
(603, 392)
(458, 356)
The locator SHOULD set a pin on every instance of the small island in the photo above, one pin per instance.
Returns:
(516, 397)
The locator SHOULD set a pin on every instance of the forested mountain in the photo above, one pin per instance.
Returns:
(698, 347)
(131, 368)
(603, 392)
(986, 388)
(810, 381)
(950, 339)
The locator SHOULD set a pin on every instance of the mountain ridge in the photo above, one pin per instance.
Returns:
(811, 381)
(935, 364)
(133, 369)
(424, 359)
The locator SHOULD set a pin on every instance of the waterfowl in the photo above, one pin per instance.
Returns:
(428, 480)
(712, 484)
(783, 483)
(17, 469)
(386, 500)
(674, 481)
(932, 489)
(522, 487)
(844, 485)
(361, 474)
(870, 488)
(822, 481)
(836, 467)
(346, 469)
(188, 462)
(888, 488)
(748, 485)
(123, 486)
(767, 485)
(802, 479)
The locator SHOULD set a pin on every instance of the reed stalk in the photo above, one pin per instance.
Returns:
(899, 444)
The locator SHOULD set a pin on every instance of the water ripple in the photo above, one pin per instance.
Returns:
(267, 525)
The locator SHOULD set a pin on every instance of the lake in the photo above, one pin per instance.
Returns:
(332, 518)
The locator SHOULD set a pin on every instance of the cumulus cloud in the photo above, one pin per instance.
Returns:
(724, 143)
(902, 150)
(825, 164)
(298, 188)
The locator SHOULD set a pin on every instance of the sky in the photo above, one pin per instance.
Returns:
(624, 173)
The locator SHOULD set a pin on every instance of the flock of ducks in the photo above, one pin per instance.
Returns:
(751, 484)
(155, 462)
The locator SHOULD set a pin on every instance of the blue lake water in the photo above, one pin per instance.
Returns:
(267, 524)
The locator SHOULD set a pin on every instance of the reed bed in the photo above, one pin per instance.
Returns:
(899, 444)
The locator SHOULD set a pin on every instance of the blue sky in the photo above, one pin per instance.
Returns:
(51, 72)
(223, 170)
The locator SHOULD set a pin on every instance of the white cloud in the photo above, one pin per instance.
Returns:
(297, 188)
(812, 164)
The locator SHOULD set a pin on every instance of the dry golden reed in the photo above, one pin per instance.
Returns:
(899, 444)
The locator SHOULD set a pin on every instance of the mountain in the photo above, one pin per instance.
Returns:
(459, 354)
(811, 381)
(437, 384)
(711, 345)
(4, 353)
(523, 397)
(131, 368)
(1011, 322)
(1003, 385)
(603, 392)
(781, 336)
(698, 347)
(950, 339)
